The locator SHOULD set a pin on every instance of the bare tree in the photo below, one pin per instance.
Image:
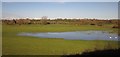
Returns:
(44, 20)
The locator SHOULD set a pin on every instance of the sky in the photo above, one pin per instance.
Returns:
(99, 10)
(60, 0)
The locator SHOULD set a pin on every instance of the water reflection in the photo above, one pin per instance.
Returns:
(76, 35)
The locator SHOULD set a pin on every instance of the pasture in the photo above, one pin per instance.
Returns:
(25, 45)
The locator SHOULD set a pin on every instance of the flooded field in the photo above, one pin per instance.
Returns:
(57, 39)
(76, 35)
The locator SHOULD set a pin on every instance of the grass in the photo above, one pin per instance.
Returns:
(24, 45)
(0, 39)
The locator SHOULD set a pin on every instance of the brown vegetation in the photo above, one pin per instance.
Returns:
(45, 21)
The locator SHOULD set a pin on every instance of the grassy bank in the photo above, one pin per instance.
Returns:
(23, 45)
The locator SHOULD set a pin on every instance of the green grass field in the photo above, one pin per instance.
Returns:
(24, 45)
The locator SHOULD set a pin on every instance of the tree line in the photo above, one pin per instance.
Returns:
(61, 21)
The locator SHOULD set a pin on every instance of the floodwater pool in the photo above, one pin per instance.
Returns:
(75, 35)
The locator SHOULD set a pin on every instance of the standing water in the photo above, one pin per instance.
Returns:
(76, 35)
